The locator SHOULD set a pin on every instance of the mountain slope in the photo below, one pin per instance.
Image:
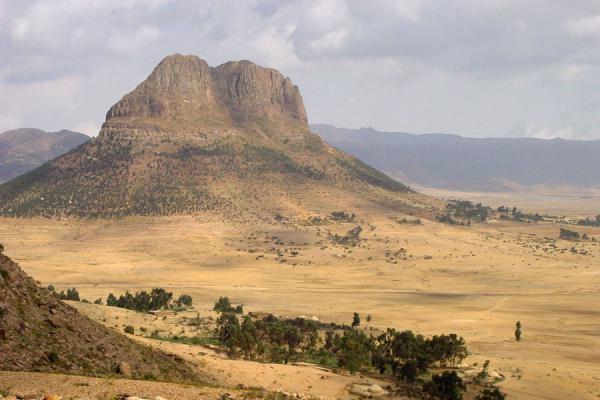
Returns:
(22, 150)
(38, 332)
(232, 139)
(458, 163)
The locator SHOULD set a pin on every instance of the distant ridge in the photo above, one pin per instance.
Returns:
(453, 162)
(22, 150)
(233, 139)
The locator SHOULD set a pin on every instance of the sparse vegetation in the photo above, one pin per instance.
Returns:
(341, 216)
(351, 238)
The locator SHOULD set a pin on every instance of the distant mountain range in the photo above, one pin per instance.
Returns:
(22, 150)
(453, 162)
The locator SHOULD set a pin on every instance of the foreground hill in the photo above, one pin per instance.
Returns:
(38, 332)
(458, 163)
(190, 138)
(22, 150)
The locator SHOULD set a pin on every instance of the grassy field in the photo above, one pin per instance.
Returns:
(475, 281)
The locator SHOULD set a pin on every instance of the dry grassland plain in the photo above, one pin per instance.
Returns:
(431, 278)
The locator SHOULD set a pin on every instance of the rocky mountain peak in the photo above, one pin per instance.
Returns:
(184, 93)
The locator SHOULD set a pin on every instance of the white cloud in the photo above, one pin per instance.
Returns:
(585, 26)
(572, 72)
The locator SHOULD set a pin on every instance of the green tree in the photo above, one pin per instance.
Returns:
(355, 320)
(184, 300)
(518, 331)
(491, 394)
(447, 386)
(353, 350)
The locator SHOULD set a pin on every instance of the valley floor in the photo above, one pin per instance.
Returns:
(430, 278)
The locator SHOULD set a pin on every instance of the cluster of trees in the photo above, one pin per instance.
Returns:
(157, 299)
(271, 339)
(590, 221)
(518, 215)
(407, 355)
(465, 209)
(351, 238)
(223, 305)
(567, 234)
(72, 294)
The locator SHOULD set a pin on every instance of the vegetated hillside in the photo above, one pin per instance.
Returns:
(458, 163)
(22, 150)
(190, 138)
(38, 332)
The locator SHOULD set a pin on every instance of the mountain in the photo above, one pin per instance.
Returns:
(458, 163)
(233, 139)
(22, 150)
(38, 332)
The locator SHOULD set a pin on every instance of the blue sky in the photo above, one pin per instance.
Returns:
(472, 67)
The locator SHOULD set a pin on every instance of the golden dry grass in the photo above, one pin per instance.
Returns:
(474, 281)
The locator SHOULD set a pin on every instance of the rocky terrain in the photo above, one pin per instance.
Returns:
(38, 332)
(191, 138)
(22, 150)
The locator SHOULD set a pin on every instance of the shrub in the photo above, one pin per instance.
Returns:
(490, 394)
(356, 320)
(567, 234)
(447, 386)
(129, 329)
(184, 300)
(223, 305)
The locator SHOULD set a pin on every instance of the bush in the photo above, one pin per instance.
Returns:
(447, 386)
(184, 300)
(490, 394)
(567, 234)
(72, 294)
(129, 329)
(223, 305)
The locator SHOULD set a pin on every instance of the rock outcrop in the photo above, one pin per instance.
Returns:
(184, 94)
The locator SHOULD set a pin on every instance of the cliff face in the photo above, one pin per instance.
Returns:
(184, 94)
